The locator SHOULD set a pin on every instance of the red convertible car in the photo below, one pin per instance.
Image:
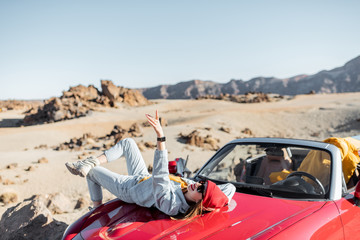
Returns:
(285, 189)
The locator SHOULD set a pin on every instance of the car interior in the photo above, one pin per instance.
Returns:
(292, 169)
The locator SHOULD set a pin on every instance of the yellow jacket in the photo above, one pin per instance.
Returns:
(349, 153)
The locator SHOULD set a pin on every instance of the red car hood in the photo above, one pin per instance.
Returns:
(248, 215)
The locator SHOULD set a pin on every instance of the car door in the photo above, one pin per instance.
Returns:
(350, 215)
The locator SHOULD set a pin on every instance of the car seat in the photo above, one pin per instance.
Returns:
(276, 160)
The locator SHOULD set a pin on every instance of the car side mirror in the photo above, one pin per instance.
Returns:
(357, 194)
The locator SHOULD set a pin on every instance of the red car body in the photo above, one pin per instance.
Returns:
(246, 217)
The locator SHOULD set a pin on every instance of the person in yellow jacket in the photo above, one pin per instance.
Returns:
(317, 163)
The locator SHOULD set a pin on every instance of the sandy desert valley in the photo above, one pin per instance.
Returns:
(29, 165)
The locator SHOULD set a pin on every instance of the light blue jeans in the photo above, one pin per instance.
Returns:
(115, 183)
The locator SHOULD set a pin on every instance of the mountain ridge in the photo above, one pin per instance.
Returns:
(340, 79)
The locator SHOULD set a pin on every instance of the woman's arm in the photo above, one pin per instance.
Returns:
(165, 197)
(164, 194)
(155, 123)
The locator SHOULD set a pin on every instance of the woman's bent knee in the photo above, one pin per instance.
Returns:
(129, 141)
(93, 171)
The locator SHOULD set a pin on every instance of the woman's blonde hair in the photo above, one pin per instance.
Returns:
(194, 210)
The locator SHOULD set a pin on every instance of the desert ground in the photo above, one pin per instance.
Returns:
(316, 116)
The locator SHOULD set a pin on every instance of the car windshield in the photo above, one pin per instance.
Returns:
(272, 169)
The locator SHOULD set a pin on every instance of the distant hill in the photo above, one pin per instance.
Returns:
(337, 80)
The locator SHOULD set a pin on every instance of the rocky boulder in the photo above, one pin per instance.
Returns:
(57, 203)
(90, 142)
(58, 109)
(30, 219)
(200, 139)
(134, 98)
(89, 93)
(80, 101)
(110, 90)
(87, 141)
(122, 95)
(8, 196)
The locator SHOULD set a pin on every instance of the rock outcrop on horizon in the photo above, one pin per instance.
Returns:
(337, 80)
(18, 105)
(249, 97)
(79, 101)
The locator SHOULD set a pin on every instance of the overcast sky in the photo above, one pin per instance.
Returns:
(48, 46)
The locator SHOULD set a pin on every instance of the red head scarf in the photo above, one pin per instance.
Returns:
(214, 197)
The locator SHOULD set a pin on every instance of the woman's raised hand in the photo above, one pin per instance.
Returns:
(155, 123)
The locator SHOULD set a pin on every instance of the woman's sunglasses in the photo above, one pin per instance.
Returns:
(201, 188)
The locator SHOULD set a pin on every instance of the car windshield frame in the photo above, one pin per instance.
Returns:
(334, 185)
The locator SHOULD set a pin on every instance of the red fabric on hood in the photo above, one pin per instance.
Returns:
(214, 197)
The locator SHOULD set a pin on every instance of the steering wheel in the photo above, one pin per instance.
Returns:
(317, 181)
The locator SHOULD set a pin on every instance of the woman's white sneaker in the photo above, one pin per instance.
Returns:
(82, 167)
